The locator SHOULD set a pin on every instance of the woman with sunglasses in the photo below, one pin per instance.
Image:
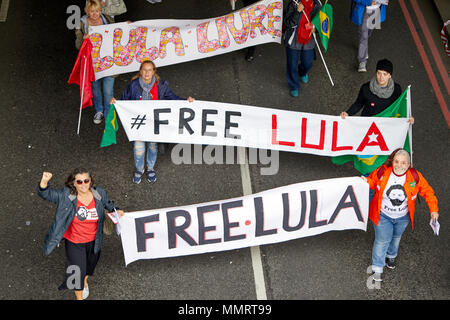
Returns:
(79, 220)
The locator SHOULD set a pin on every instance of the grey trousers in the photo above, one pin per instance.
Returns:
(368, 23)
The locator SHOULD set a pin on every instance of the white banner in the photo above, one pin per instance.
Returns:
(214, 123)
(276, 215)
(121, 47)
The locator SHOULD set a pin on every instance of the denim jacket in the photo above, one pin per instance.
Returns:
(65, 212)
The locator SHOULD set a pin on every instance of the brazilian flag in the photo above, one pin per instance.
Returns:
(367, 164)
(109, 134)
(323, 21)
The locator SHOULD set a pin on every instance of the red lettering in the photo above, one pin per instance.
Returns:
(373, 137)
(334, 146)
(322, 135)
(274, 134)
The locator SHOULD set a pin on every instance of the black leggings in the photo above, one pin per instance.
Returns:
(81, 262)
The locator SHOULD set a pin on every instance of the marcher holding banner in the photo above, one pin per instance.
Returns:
(396, 186)
(299, 42)
(79, 220)
(375, 98)
(377, 94)
(94, 17)
(147, 85)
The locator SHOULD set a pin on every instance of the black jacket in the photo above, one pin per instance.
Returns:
(370, 103)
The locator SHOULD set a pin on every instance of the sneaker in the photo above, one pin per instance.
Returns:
(304, 79)
(151, 176)
(137, 177)
(85, 292)
(390, 263)
(294, 93)
(98, 117)
(377, 277)
(362, 67)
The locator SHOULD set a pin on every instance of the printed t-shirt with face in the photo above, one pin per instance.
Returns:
(395, 203)
(84, 225)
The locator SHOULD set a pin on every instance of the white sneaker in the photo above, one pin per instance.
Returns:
(85, 292)
(362, 67)
(98, 117)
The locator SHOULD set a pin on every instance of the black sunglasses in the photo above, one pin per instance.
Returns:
(85, 181)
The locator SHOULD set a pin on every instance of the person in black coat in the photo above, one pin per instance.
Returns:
(377, 94)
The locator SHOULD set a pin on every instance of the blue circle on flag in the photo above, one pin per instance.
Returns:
(325, 25)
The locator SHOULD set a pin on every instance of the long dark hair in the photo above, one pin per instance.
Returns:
(71, 179)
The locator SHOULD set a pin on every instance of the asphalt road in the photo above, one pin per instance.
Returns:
(39, 113)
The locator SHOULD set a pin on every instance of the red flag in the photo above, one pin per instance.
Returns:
(83, 67)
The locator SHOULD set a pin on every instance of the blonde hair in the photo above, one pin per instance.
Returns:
(140, 68)
(92, 4)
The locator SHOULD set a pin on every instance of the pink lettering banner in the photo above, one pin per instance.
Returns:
(121, 47)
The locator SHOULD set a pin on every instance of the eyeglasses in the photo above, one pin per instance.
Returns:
(85, 181)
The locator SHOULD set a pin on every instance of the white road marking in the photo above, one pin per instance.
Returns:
(258, 271)
(4, 10)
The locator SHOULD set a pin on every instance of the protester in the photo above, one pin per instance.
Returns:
(396, 187)
(147, 85)
(94, 17)
(366, 14)
(299, 41)
(377, 94)
(79, 219)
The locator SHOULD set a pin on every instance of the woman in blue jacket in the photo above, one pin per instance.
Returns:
(79, 220)
(147, 85)
(367, 15)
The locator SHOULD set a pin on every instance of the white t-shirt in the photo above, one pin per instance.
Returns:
(395, 203)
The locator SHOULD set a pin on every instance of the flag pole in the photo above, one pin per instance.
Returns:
(320, 51)
(82, 95)
(408, 113)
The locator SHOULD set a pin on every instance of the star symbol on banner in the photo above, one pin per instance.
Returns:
(373, 138)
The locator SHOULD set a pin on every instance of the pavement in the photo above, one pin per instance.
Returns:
(39, 113)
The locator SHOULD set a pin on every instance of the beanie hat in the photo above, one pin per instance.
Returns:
(385, 65)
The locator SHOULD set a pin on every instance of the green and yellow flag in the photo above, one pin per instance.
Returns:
(323, 21)
(109, 134)
(367, 164)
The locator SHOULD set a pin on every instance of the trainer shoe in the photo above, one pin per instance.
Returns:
(151, 176)
(98, 117)
(377, 277)
(304, 79)
(294, 93)
(85, 292)
(390, 263)
(137, 177)
(362, 67)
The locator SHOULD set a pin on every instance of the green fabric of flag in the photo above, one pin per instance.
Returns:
(367, 164)
(111, 127)
(323, 21)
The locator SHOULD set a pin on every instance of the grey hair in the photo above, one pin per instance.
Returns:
(403, 152)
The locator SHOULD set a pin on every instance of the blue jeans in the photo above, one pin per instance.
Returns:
(387, 239)
(101, 102)
(139, 155)
(293, 70)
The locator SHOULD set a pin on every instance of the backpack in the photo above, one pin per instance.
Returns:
(412, 170)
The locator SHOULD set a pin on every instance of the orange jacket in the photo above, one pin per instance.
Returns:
(412, 188)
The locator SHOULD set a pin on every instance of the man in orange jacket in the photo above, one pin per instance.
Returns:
(396, 187)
